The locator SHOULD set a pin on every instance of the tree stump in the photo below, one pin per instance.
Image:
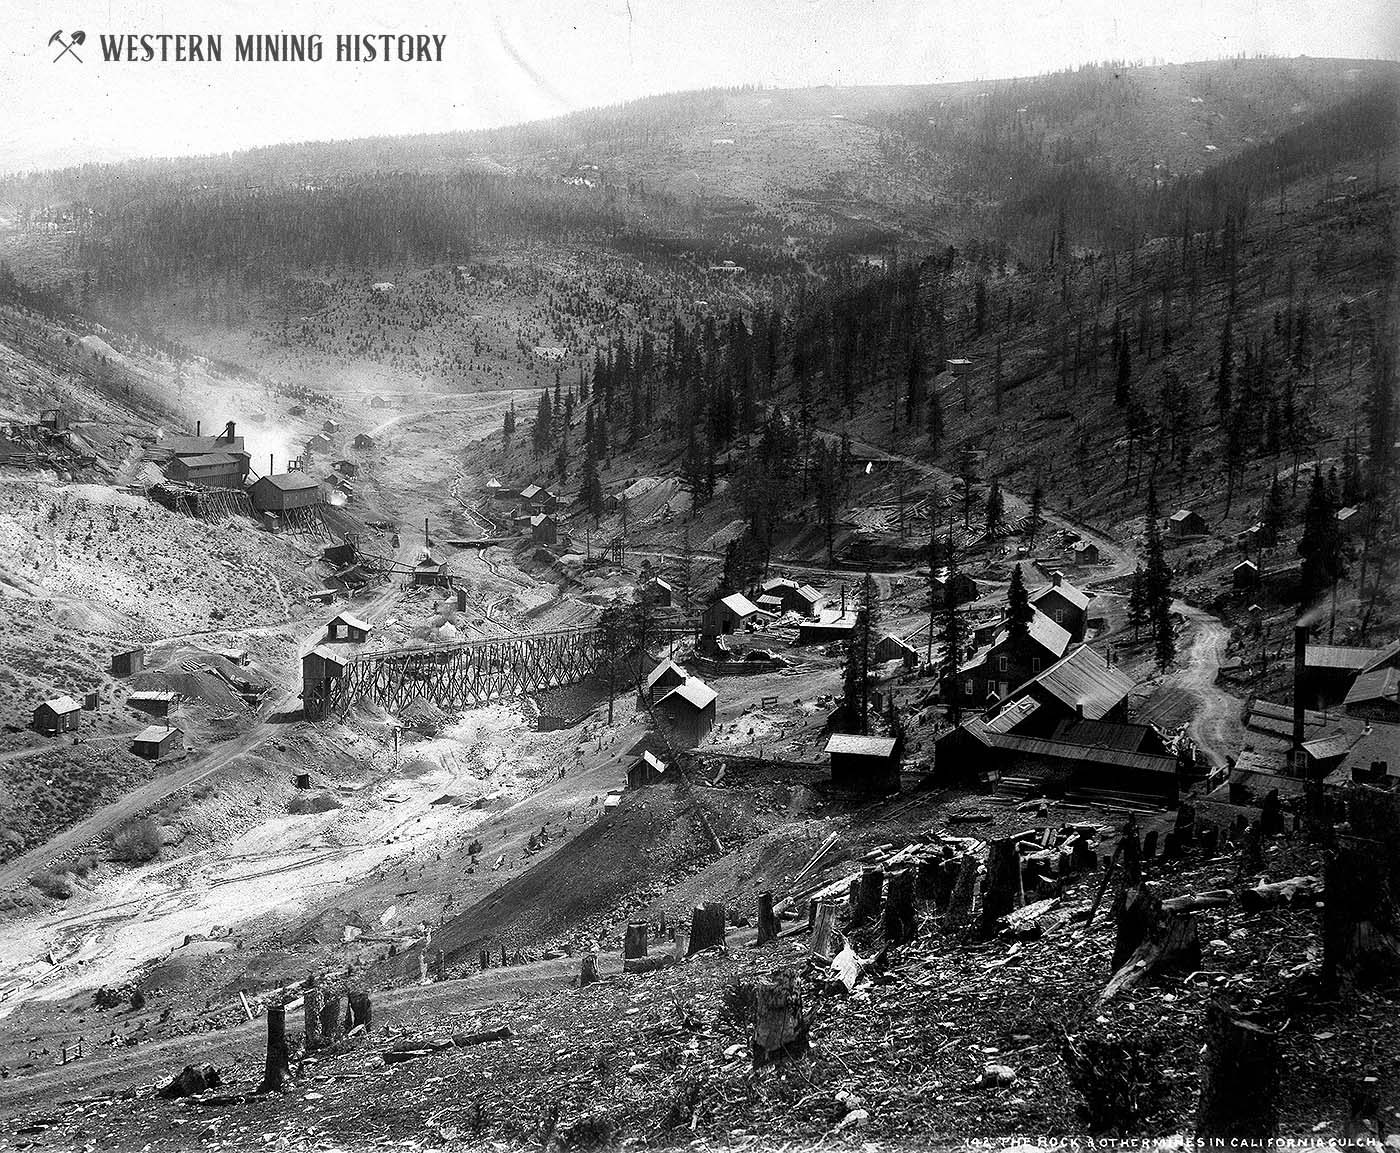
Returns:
(1186, 819)
(485, 959)
(278, 1067)
(1239, 1078)
(866, 892)
(588, 970)
(1251, 851)
(823, 921)
(1149, 846)
(1136, 913)
(926, 885)
(332, 1020)
(948, 871)
(899, 924)
(635, 943)
(313, 1001)
(779, 1028)
(1270, 815)
(958, 915)
(1361, 909)
(767, 921)
(706, 927)
(1172, 946)
(1210, 839)
(360, 1011)
(1001, 892)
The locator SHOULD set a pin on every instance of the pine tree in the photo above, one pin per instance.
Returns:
(693, 472)
(1225, 373)
(1125, 374)
(1018, 607)
(1037, 503)
(1157, 586)
(935, 423)
(1321, 545)
(1137, 603)
(996, 509)
(953, 640)
(508, 427)
(1271, 515)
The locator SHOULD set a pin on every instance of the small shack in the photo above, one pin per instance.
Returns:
(892, 648)
(645, 770)
(662, 679)
(378, 402)
(657, 592)
(1245, 575)
(318, 444)
(363, 442)
(59, 715)
(1084, 552)
(157, 704)
(155, 741)
(830, 626)
(728, 614)
(544, 529)
(331, 427)
(347, 627)
(428, 571)
(689, 709)
(865, 764)
(346, 468)
(128, 663)
(1186, 523)
(280, 491)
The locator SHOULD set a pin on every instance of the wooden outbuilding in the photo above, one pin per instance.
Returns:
(689, 710)
(59, 715)
(645, 770)
(865, 764)
(1185, 523)
(156, 741)
(728, 614)
(347, 627)
(128, 663)
(281, 491)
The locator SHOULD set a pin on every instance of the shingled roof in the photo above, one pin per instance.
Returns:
(1083, 679)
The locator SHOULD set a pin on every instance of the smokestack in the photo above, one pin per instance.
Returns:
(228, 430)
(196, 427)
(270, 469)
(1300, 661)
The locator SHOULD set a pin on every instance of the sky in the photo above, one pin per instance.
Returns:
(505, 61)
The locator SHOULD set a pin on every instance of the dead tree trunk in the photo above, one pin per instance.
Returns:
(278, 1067)
(587, 970)
(635, 944)
(823, 921)
(926, 879)
(313, 1001)
(1271, 815)
(360, 1011)
(1001, 893)
(779, 1028)
(1239, 1078)
(706, 927)
(958, 916)
(767, 921)
(899, 926)
(332, 1020)
(866, 891)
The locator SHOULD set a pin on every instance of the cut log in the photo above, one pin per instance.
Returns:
(706, 927)
(463, 1040)
(588, 970)
(278, 1067)
(635, 944)
(313, 1000)
(1174, 948)
(823, 922)
(899, 923)
(1294, 891)
(1190, 902)
(1001, 891)
(359, 1011)
(1239, 1079)
(641, 965)
(958, 916)
(767, 921)
(866, 892)
(779, 1028)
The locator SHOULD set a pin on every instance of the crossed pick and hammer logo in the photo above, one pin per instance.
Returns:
(75, 40)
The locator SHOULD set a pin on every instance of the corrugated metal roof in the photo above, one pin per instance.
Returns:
(1084, 679)
(1338, 657)
(291, 481)
(859, 746)
(694, 692)
(156, 733)
(1381, 685)
(1062, 750)
(1078, 598)
(740, 604)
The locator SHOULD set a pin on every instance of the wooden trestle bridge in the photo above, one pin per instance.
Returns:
(458, 676)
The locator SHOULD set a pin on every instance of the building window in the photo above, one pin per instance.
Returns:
(967, 686)
(1059, 616)
(1001, 664)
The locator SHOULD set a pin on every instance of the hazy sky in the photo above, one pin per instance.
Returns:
(512, 60)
